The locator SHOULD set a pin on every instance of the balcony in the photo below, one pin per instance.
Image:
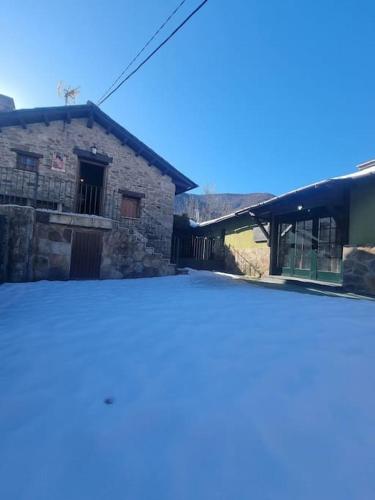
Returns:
(21, 187)
(89, 199)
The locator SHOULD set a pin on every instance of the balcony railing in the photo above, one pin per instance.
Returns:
(21, 187)
(89, 199)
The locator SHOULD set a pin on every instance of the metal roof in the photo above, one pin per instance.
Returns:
(340, 181)
(265, 208)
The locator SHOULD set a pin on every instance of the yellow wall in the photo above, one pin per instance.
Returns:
(238, 232)
(242, 239)
(245, 255)
(362, 214)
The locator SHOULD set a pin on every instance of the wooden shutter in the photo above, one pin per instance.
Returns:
(130, 207)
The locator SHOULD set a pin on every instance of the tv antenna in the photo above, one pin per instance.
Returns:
(67, 92)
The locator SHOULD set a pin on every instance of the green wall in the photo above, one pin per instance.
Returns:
(362, 213)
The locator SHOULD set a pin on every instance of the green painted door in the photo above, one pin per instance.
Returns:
(310, 248)
(303, 264)
(329, 250)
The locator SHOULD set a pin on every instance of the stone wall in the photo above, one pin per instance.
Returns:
(127, 255)
(128, 171)
(37, 245)
(3, 248)
(52, 249)
(17, 242)
(359, 269)
(252, 262)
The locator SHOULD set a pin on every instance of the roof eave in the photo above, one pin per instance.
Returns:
(47, 114)
(266, 208)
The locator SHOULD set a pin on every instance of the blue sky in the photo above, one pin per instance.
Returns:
(249, 96)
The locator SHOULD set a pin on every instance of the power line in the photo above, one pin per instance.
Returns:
(153, 52)
(144, 48)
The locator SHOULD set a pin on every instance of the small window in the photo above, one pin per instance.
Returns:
(130, 207)
(27, 162)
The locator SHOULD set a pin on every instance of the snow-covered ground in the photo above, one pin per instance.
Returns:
(221, 390)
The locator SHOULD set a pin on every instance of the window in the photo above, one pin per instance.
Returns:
(131, 203)
(329, 246)
(27, 160)
(130, 207)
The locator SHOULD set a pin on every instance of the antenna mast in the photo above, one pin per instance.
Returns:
(67, 92)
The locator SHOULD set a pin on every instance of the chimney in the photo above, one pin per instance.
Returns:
(6, 103)
(366, 164)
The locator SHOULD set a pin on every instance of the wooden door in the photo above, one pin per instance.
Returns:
(86, 255)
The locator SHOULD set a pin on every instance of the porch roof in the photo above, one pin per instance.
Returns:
(325, 191)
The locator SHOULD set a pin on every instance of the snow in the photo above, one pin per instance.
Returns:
(220, 389)
(360, 173)
(193, 223)
(355, 175)
(218, 219)
(365, 172)
(73, 214)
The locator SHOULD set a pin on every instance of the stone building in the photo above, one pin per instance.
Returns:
(81, 197)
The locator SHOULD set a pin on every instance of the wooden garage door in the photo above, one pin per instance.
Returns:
(86, 255)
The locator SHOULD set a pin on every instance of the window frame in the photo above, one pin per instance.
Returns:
(22, 153)
(134, 196)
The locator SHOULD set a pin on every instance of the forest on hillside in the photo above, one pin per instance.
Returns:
(202, 207)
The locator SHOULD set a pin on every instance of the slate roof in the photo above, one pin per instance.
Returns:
(22, 117)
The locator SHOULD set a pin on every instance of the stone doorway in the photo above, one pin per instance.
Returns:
(90, 189)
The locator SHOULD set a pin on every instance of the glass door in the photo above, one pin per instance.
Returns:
(295, 248)
(286, 242)
(310, 248)
(303, 248)
(329, 251)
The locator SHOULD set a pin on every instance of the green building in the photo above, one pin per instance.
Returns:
(322, 232)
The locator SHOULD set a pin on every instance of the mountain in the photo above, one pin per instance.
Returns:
(202, 207)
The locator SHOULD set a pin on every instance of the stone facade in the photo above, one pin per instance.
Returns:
(359, 269)
(127, 171)
(37, 245)
(52, 249)
(126, 254)
(4, 237)
(17, 242)
(252, 261)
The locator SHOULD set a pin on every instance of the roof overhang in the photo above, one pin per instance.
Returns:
(327, 192)
(93, 113)
(321, 194)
